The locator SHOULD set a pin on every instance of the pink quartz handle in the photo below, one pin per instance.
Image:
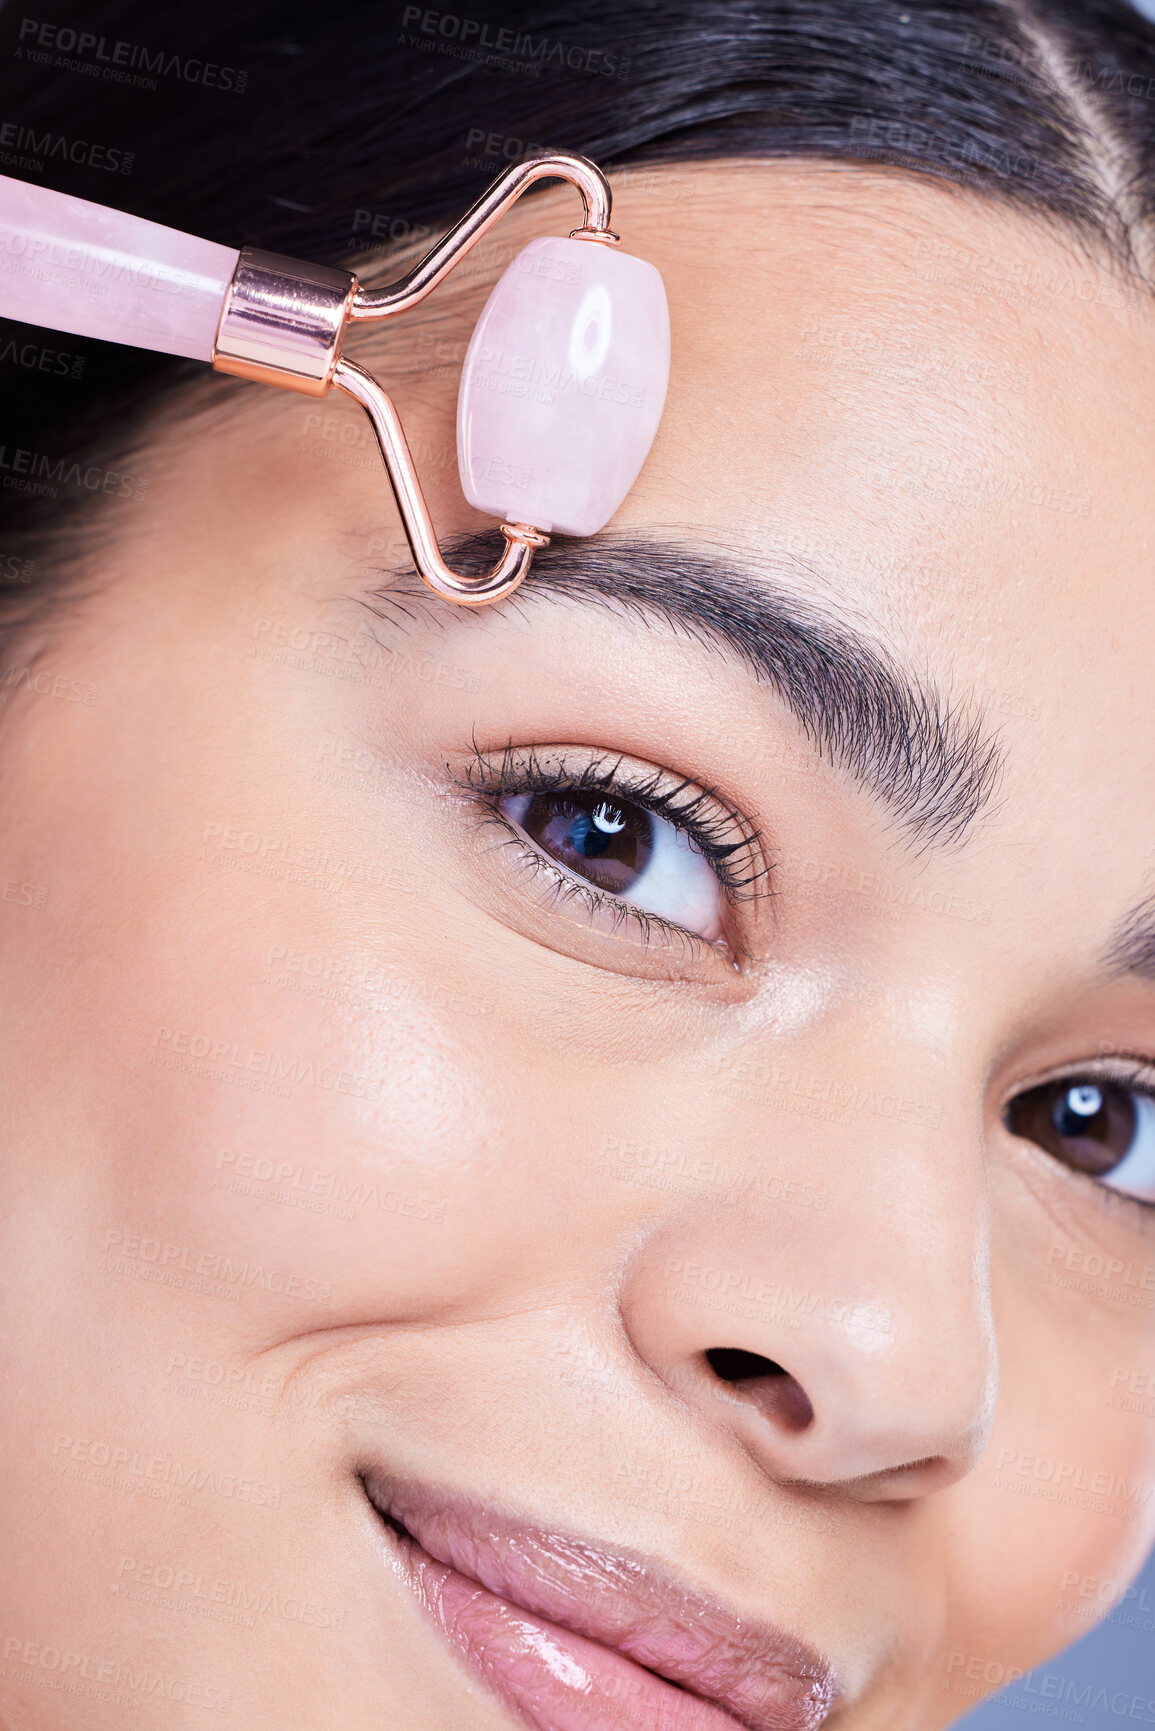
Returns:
(77, 267)
(563, 386)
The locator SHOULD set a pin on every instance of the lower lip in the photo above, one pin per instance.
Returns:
(555, 1680)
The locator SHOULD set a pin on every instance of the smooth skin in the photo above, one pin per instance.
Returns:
(275, 950)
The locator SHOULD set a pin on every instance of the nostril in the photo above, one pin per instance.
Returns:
(764, 1384)
(734, 1365)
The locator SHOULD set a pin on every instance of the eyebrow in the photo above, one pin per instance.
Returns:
(931, 764)
(1132, 948)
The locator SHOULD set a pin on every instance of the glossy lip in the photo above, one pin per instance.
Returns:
(574, 1637)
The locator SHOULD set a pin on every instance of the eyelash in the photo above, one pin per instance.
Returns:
(710, 824)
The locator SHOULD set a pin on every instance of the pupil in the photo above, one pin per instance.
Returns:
(587, 838)
(1089, 1126)
(1084, 1100)
(607, 842)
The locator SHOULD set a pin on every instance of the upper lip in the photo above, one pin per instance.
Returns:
(766, 1679)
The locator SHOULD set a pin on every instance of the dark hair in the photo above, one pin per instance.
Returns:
(321, 127)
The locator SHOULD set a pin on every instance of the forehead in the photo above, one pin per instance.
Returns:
(936, 412)
(904, 370)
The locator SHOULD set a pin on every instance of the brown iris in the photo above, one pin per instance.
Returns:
(1085, 1122)
(605, 840)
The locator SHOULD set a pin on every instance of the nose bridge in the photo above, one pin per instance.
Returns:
(835, 1308)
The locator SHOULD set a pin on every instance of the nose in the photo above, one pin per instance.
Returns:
(837, 1320)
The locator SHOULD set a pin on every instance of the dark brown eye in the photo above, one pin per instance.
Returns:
(629, 854)
(1085, 1122)
(608, 841)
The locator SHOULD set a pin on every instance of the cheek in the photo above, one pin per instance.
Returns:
(354, 1157)
(1059, 1516)
(309, 1129)
(298, 1096)
(272, 1115)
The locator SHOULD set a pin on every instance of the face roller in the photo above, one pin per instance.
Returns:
(562, 387)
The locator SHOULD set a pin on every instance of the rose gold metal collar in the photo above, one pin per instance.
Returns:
(284, 321)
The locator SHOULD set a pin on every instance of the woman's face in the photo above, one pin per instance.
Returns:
(508, 1195)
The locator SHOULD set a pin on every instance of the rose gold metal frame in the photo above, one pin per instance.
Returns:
(283, 323)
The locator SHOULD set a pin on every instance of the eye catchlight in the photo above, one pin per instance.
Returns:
(561, 391)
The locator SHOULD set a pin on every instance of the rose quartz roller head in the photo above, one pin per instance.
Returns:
(563, 386)
(563, 383)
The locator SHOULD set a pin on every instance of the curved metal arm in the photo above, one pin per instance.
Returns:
(283, 323)
(522, 539)
(451, 249)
